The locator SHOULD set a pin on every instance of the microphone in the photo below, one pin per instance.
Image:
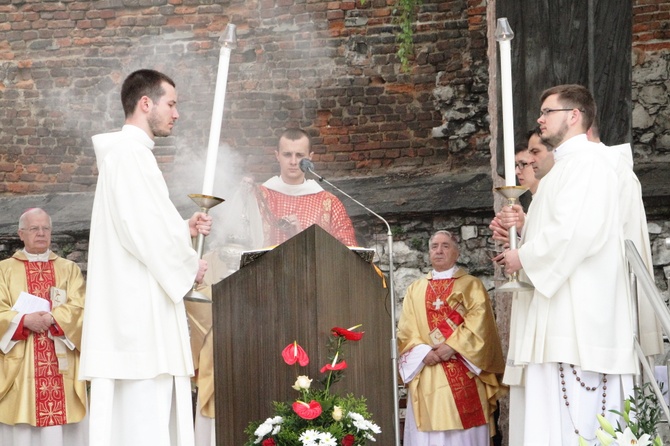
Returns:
(306, 165)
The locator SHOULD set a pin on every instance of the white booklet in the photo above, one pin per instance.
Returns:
(29, 303)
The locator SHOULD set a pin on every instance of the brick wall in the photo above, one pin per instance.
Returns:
(651, 25)
(327, 66)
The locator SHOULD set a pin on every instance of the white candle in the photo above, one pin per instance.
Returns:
(504, 35)
(217, 111)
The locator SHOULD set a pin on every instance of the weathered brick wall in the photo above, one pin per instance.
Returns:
(327, 66)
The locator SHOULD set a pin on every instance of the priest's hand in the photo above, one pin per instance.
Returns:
(511, 261)
(39, 322)
(499, 231)
(444, 352)
(512, 216)
(202, 269)
(200, 223)
(431, 358)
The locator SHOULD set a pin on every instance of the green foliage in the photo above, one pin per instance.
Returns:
(292, 425)
(405, 15)
(416, 244)
(647, 412)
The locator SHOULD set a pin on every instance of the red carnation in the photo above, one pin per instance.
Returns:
(293, 352)
(271, 442)
(307, 411)
(348, 334)
(348, 440)
(339, 366)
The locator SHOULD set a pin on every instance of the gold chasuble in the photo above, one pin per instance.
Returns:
(32, 388)
(458, 312)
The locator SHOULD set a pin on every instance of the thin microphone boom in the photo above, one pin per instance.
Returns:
(306, 165)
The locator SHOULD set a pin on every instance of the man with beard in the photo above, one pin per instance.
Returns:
(135, 347)
(571, 345)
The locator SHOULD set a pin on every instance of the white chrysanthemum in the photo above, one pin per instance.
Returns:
(326, 439)
(276, 430)
(355, 416)
(310, 436)
(263, 429)
(374, 428)
(277, 420)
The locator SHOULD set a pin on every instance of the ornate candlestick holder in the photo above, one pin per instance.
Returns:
(512, 193)
(205, 202)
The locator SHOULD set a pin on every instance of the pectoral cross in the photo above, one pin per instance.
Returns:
(437, 304)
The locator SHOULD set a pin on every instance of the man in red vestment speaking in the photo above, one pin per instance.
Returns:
(289, 203)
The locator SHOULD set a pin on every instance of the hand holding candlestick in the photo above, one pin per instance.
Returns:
(512, 193)
(205, 200)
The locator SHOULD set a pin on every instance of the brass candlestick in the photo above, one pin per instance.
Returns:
(205, 202)
(512, 193)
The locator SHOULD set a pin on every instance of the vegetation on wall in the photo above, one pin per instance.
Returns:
(405, 13)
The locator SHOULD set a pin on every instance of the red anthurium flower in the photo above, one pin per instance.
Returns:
(348, 440)
(348, 334)
(271, 442)
(293, 352)
(339, 366)
(307, 411)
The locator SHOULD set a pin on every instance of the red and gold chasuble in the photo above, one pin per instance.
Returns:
(321, 208)
(49, 390)
(463, 386)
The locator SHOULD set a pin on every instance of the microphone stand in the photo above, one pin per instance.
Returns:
(308, 167)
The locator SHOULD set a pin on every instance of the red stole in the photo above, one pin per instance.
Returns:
(49, 389)
(462, 383)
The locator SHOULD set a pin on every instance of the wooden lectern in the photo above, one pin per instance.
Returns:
(297, 292)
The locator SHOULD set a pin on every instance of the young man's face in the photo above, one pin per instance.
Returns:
(524, 170)
(289, 153)
(541, 158)
(163, 113)
(553, 121)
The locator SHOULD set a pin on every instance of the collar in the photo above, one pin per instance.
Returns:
(308, 187)
(448, 274)
(570, 146)
(43, 257)
(139, 134)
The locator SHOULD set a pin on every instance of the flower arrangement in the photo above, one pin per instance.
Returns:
(641, 415)
(317, 417)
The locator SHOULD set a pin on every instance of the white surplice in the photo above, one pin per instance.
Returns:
(141, 264)
(579, 312)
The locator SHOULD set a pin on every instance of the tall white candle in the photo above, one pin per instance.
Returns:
(504, 35)
(217, 109)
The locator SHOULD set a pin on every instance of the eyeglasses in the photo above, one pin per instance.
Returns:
(521, 165)
(546, 111)
(36, 229)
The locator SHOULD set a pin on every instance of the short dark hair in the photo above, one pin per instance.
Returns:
(142, 83)
(576, 96)
(295, 134)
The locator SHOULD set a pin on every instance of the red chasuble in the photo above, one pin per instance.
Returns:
(49, 394)
(463, 386)
(322, 208)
